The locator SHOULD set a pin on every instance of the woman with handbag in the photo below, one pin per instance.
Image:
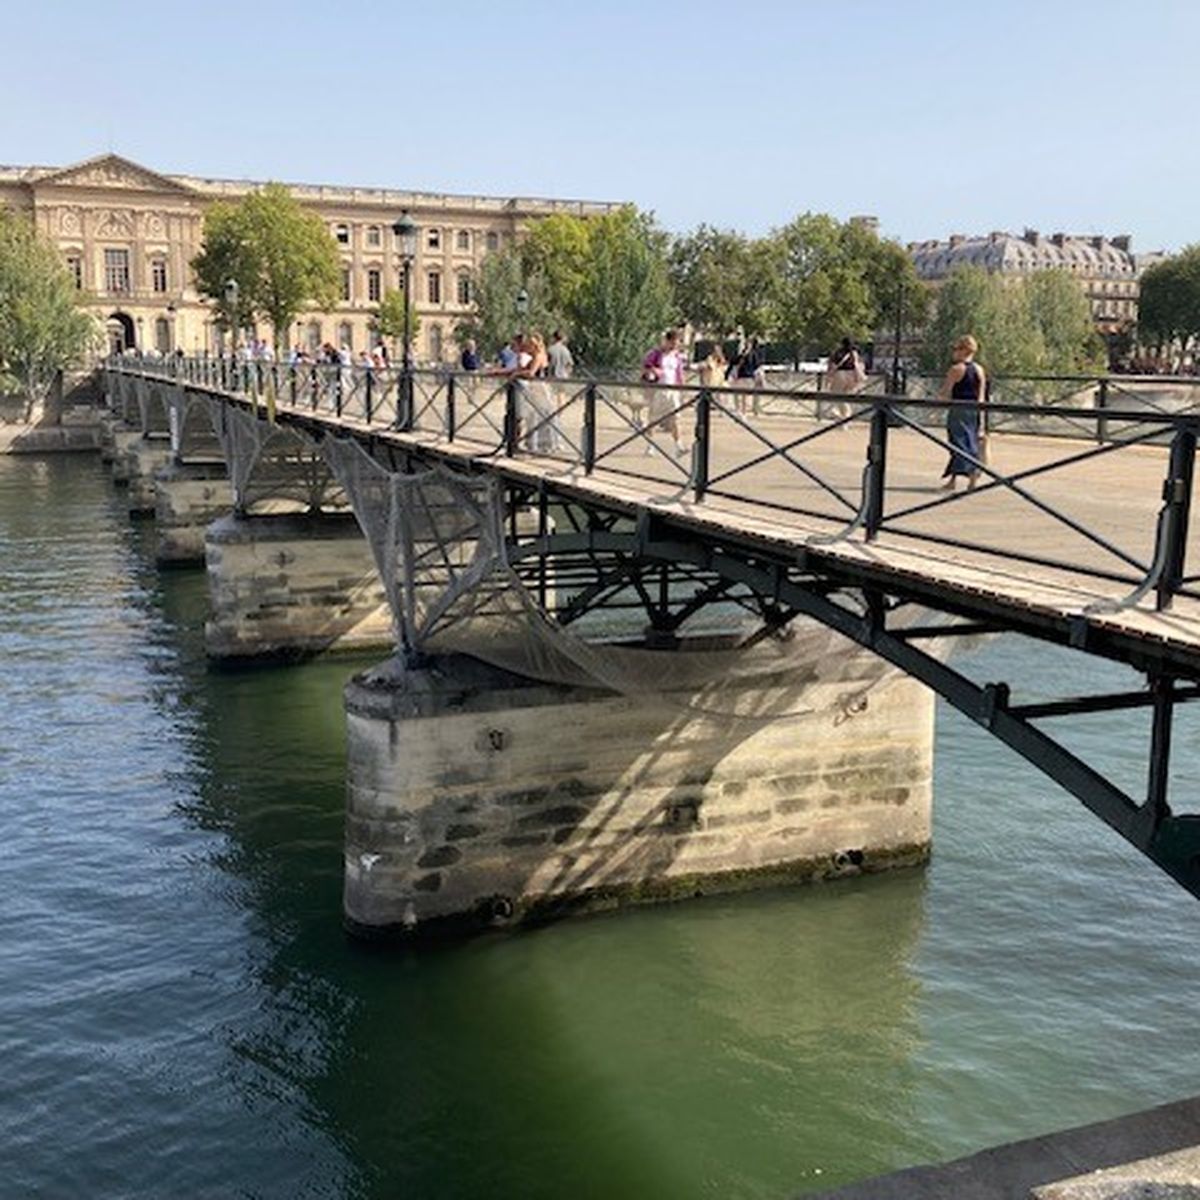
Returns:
(965, 386)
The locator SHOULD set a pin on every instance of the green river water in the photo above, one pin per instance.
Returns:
(182, 1015)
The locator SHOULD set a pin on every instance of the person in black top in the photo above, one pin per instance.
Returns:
(965, 382)
(744, 373)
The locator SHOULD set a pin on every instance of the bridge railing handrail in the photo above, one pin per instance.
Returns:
(517, 416)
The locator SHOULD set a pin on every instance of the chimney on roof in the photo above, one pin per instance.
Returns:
(1099, 242)
(1059, 239)
(866, 222)
(1032, 237)
(956, 239)
(995, 236)
(1123, 241)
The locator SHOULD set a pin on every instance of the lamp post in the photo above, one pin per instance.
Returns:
(171, 341)
(405, 230)
(231, 308)
(522, 303)
(895, 386)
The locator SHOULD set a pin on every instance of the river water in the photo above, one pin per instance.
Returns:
(182, 1015)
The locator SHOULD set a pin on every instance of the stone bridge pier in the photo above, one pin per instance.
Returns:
(192, 489)
(289, 571)
(479, 794)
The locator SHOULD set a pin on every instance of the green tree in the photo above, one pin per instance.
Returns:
(1169, 302)
(625, 299)
(1063, 316)
(823, 290)
(723, 282)
(42, 328)
(388, 317)
(602, 279)
(281, 256)
(499, 280)
(896, 290)
(998, 315)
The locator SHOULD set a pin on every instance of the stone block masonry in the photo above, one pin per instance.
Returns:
(476, 797)
(293, 585)
(187, 499)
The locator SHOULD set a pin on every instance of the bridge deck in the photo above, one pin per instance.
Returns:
(1117, 495)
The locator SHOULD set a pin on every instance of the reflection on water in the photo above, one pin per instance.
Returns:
(184, 1014)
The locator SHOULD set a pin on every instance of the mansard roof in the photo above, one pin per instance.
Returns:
(1007, 252)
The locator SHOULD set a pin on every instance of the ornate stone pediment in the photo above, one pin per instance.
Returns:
(113, 171)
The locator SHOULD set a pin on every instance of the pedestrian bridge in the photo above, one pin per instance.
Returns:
(798, 504)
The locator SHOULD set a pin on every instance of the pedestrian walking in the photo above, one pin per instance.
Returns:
(844, 375)
(664, 366)
(965, 386)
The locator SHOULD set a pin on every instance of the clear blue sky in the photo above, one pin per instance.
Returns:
(936, 117)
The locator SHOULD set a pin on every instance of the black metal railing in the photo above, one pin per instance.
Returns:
(794, 459)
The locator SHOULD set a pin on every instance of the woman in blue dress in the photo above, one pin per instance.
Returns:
(965, 382)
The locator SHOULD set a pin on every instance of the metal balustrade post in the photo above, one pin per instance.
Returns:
(370, 387)
(875, 479)
(337, 391)
(1102, 406)
(451, 414)
(589, 429)
(292, 384)
(405, 409)
(1176, 514)
(511, 424)
(702, 444)
(315, 388)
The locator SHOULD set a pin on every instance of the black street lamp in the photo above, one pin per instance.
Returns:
(405, 230)
(896, 385)
(171, 326)
(231, 307)
(522, 303)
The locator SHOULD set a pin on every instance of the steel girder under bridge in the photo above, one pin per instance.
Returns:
(609, 534)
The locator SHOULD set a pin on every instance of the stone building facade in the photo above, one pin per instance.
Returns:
(1107, 269)
(129, 234)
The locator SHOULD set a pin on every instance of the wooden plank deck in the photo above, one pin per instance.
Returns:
(776, 505)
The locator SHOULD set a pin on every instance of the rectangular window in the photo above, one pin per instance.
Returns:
(433, 287)
(464, 289)
(341, 235)
(433, 239)
(158, 274)
(493, 240)
(462, 241)
(374, 288)
(346, 288)
(374, 236)
(75, 270)
(116, 271)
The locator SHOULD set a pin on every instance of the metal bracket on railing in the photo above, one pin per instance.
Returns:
(1165, 576)
(869, 516)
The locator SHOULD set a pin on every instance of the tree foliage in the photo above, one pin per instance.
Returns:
(723, 282)
(1169, 301)
(42, 328)
(1040, 325)
(602, 280)
(282, 257)
(388, 317)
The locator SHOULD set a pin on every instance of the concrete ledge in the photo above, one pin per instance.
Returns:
(48, 439)
(1011, 1172)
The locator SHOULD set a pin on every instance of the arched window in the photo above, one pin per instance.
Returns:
(314, 335)
(75, 270)
(346, 335)
(374, 236)
(463, 288)
(341, 235)
(162, 335)
(493, 240)
(462, 241)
